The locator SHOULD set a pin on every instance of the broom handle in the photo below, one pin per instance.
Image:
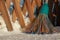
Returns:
(30, 11)
(38, 3)
(5, 15)
(8, 3)
(18, 13)
(24, 8)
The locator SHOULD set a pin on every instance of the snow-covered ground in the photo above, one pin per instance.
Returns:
(31, 37)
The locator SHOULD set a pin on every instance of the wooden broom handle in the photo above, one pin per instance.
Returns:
(5, 15)
(38, 3)
(24, 8)
(33, 4)
(8, 3)
(18, 13)
(30, 11)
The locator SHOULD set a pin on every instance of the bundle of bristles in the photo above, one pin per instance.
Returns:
(17, 12)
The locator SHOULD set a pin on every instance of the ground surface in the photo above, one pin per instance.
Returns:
(31, 37)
